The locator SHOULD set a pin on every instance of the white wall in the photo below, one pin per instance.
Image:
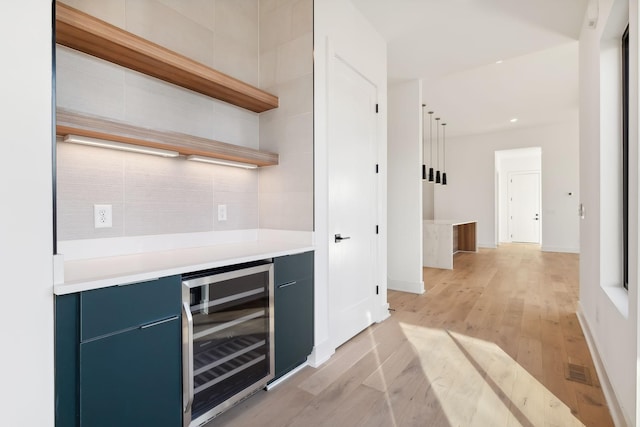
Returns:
(26, 306)
(340, 27)
(427, 199)
(429, 145)
(471, 187)
(404, 183)
(510, 161)
(608, 313)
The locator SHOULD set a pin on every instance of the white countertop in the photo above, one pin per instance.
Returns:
(86, 274)
(446, 222)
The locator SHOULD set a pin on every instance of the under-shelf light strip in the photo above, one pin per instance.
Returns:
(95, 142)
(204, 159)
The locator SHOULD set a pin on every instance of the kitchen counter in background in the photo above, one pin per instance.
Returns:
(100, 272)
(443, 238)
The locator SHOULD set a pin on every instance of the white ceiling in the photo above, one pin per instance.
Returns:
(453, 46)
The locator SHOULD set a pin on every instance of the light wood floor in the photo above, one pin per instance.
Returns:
(486, 345)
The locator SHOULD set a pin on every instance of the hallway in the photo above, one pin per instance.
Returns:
(486, 345)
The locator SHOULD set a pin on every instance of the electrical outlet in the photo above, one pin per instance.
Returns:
(222, 212)
(102, 216)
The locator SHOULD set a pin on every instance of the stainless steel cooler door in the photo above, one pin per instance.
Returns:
(228, 317)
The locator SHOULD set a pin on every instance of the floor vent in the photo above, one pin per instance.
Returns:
(577, 373)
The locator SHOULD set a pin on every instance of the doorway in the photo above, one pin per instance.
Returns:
(519, 195)
(353, 201)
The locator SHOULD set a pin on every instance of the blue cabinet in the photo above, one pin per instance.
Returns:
(118, 308)
(132, 378)
(293, 311)
(118, 356)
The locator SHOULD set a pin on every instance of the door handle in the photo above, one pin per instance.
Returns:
(339, 238)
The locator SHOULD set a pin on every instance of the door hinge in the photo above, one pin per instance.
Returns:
(377, 290)
(377, 169)
(376, 108)
(377, 230)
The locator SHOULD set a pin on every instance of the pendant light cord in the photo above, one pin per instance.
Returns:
(423, 138)
(438, 144)
(431, 136)
(444, 150)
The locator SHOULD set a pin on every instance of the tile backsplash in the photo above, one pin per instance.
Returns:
(150, 195)
(286, 69)
(266, 43)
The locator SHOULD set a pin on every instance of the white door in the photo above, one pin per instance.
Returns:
(352, 201)
(524, 207)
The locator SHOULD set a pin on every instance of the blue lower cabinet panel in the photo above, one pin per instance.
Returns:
(293, 325)
(108, 310)
(133, 378)
(293, 311)
(67, 332)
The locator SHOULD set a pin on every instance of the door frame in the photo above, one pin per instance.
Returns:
(501, 172)
(369, 54)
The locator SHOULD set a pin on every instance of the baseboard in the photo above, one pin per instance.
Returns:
(320, 354)
(559, 249)
(617, 414)
(412, 287)
(384, 313)
(487, 245)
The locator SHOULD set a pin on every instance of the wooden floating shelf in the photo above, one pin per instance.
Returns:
(83, 32)
(72, 123)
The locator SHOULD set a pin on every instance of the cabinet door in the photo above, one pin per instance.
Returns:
(293, 325)
(293, 267)
(116, 308)
(133, 378)
(293, 311)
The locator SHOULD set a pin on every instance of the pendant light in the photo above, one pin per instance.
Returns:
(438, 150)
(444, 157)
(431, 145)
(424, 166)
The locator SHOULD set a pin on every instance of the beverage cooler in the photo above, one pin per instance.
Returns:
(227, 337)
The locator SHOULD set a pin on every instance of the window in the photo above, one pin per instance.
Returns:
(625, 158)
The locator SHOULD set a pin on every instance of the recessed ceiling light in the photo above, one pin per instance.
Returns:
(499, 61)
(515, 119)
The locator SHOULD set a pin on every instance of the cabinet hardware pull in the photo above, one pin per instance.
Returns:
(159, 322)
(187, 360)
(287, 284)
